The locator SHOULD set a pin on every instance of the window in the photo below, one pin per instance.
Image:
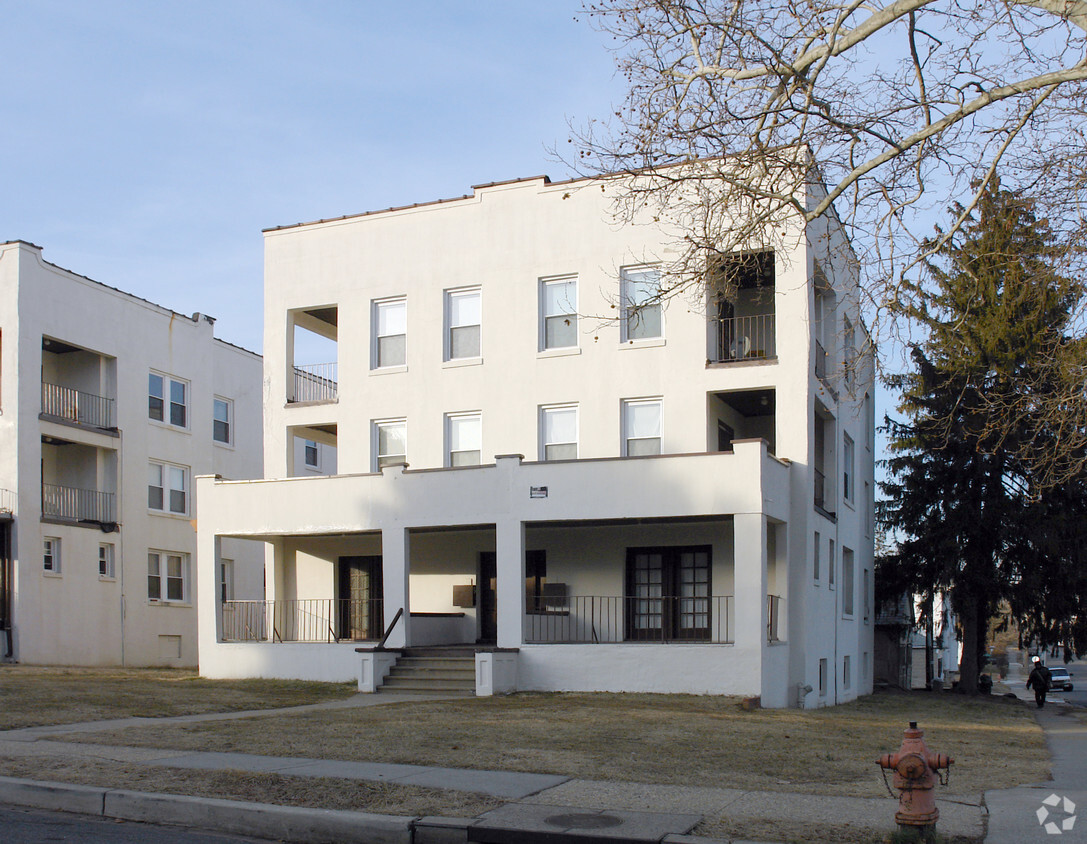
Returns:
(867, 597)
(464, 437)
(847, 581)
(312, 454)
(847, 468)
(869, 421)
(867, 504)
(558, 312)
(105, 560)
(168, 488)
(641, 427)
(51, 554)
(391, 442)
(167, 576)
(822, 678)
(391, 333)
(463, 315)
(226, 580)
(162, 389)
(558, 433)
(847, 672)
(641, 314)
(849, 354)
(223, 420)
(815, 556)
(535, 580)
(832, 561)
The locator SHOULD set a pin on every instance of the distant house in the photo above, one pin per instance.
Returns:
(563, 483)
(110, 406)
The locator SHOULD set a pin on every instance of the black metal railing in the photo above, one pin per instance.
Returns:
(78, 505)
(315, 382)
(745, 338)
(606, 619)
(77, 406)
(302, 620)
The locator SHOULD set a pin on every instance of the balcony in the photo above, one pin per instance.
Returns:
(745, 338)
(71, 504)
(77, 406)
(315, 383)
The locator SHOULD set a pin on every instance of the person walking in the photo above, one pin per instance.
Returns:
(1039, 680)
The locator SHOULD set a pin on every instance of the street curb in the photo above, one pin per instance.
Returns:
(292, 823)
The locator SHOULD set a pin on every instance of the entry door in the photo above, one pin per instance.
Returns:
(668, 593)
(359, 613)
(488, 598)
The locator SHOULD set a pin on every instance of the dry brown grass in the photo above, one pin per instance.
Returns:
(668, 739)
(33, 696)
(798, 832)
(313, 792)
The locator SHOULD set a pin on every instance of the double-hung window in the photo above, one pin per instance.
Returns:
(168, 400)
(311, 454)
(390, 333)
(51, 554)
(558, 432)
(167, 576)
(226, 580)
(464, 439)
(641, 427)
(390, 442)
(558, 313)
(223, 421)
(105, 560)
(463, 318)
(641, 312)
(847, 468)
(168, 488)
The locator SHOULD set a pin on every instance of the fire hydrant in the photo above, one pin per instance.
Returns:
(915, 768)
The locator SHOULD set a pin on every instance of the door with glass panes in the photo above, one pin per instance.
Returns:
(668, 593)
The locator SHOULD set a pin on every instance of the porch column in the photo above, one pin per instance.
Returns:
(208, 619)
(395, 569)
(749, 604)
(510, 591)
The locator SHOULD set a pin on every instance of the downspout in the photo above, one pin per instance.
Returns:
(121, 537)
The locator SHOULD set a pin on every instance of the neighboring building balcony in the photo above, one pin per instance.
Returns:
(303, 620)
(745, 338)
(76, 406)
(314, 383)
(7, 503)
(70, 504)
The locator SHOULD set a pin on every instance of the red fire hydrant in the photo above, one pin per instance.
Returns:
(915, 769)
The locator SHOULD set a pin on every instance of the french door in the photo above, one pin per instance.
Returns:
(668, 593)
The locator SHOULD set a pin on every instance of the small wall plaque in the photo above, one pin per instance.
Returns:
(537, 492)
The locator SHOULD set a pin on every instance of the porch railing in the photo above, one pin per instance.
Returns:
(607, 619)
(745, 338)
(302, 620)
(78, 505)
(315, 382)
(77, 406)
(774, 607)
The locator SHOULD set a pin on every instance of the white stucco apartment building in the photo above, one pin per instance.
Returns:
(110, 406)
(674, 498)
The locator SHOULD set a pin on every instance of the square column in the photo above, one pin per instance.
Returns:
(510, 591)
(749, 554)
(395, 569)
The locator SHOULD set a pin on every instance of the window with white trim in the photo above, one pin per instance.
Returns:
(832, 561)
(51, 554)
(311, 454)
(105, 560)
(222, 429)
(815, 555)
(168, 400)
(558, 432)
(848, 580)
(847, 671)
(847, 468)
(390, 442)
(390, 333)
(167, 576)
(641, 427)
(822, 678)
(558, 313)
(226, 580)
(642, 312)
(464, 439)
(463, 319)
(168, 488)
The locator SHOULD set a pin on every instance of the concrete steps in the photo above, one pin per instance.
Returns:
(432, 671)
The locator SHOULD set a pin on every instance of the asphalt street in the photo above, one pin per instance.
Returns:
(28, 826)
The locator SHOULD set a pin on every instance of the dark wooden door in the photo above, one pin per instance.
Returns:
(668, 593)
(359, 604)
(488, 596)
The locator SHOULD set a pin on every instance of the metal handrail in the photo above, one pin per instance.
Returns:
(77, 406)
(82, 505)
(315, 382)
(301, 620)
(608, 619)
(389, 629)
(746, 338)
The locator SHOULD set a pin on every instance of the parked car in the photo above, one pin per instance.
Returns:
(1060, 679)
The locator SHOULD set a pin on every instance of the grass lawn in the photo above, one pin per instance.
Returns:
(33, 696)
(667, 739)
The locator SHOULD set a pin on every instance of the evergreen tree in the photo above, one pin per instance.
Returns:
(964, 516)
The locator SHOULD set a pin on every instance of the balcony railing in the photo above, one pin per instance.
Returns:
(607, 619)
(820, 361)
(773, 617)
(820, 490)
(77, 406)
(745, 338)
(7, 501)
(303, 620)
(315, 382)
(77, 505)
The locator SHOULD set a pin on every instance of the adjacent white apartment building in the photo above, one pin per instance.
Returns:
(110, 406)
(539, 468)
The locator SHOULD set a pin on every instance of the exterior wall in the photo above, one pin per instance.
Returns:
(77, 616)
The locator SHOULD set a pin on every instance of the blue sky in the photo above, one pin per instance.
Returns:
(146, 144)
